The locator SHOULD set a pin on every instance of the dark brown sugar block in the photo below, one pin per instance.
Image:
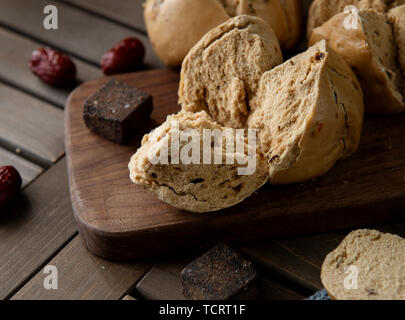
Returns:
(220, 274)
(117, 111)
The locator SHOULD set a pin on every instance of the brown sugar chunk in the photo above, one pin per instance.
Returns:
(220, 274)
(117, 111)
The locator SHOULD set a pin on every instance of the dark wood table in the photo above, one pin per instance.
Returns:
(39, 230)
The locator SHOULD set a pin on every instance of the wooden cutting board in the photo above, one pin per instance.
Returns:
(121, 221)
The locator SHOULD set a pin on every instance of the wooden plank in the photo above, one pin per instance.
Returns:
(271, 290)
(15, 52)
(81, 275)
(163, 282)
(301, 258)
(313, 249)
(31, 125)
(129, 12)
(86, 35)
(128, 297)
(33, 229)
(28, 170)
(284, 262)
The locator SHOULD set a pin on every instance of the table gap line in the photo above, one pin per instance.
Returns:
(41, 173)
(284, 281)
(27, 154)
(47, 44)
(100, 15)
(279, 242)
(35, 179)
(36, 271)
(133, 287)
(31, 93)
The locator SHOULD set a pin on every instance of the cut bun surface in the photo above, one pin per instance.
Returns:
(367, 265)
(396, 17)
(285, 17)
(308, 113)
(370, 50)
(322, 10)
(196, 187)
(221, 73)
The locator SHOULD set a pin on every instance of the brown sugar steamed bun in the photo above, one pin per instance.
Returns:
(175, 26)
(365, 40)
(396, 17)
(285, 17)
(308, 114)
(375, 259)
(221, 74)
(321, 11)
(195, 187)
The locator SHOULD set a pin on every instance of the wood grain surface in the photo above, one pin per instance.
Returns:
(15, 52)
(128, 12)
(116, 217)
(163, 282)
(32, 230)
(31, 125)
(280, 259)
(41, 224)
(272, 290)
(28, 170)
(83, 276)
(300, 258)
(81, 33)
